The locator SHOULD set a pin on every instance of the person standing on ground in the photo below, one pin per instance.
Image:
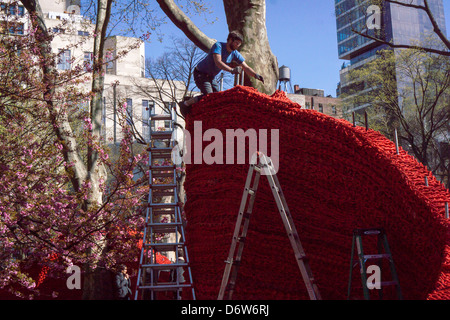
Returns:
(219, 58)
(122, 284)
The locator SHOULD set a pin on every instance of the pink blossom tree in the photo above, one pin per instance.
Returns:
(60, 194)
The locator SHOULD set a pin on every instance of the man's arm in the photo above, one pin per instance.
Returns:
(251, 72)
(247, 69)
(220, 64)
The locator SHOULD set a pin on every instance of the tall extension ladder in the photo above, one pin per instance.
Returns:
(382, 243)
(163, 218)
(261, 164)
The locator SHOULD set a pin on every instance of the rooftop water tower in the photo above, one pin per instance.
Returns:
(284, 78)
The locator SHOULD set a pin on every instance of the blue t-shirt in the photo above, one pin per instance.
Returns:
(208, 66)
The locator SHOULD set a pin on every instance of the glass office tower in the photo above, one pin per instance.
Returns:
(398, 24)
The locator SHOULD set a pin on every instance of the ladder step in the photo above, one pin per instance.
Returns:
(160, 149)
(162, 212)
(377, 256)
(161, 156)
(388, 283)
(163, 186)
(163, 193)
(165, 168)
(161, 134)
(166, 287)
(163, 205)
(162, 175)
(163, 247)
(157, 117)
(165, 227)
(170, 266)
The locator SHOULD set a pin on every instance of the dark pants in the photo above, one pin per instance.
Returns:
(205, 82)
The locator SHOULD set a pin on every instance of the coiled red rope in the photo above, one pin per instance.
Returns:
(335, 178)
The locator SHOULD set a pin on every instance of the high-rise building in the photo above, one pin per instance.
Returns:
(392, 22)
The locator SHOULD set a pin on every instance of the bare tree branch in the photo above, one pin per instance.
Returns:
(186, 25)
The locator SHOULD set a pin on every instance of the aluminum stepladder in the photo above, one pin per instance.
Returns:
(261, 164)
(384, 252)
(163, 218)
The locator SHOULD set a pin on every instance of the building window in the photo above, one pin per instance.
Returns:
(110, 63)
(11, 28)
(58, 30)
(12, 9)
(320, 107)
(333, 110)
(167, 110)
(129, 111)
(64, 59)
(307, 105)
(148, 108)
(83, 33)
(88, 61)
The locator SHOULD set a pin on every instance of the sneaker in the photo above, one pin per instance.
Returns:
(184, 109)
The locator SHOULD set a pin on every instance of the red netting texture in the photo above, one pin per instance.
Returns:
(335, 178)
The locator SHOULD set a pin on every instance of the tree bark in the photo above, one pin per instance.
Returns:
(96, 280)
(249, 18)
(94, 168)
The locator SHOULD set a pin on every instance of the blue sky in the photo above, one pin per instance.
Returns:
(302, 34)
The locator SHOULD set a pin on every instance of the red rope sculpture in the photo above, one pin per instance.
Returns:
(335, 178)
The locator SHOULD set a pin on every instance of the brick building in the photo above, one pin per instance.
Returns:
(314, 99)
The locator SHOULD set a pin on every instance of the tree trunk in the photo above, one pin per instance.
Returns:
(249, 18)
(94, 167)
(96, 281)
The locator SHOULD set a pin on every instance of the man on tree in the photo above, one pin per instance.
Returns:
(219, 58)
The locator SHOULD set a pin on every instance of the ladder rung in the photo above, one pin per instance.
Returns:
(165, 227)
(163, 205)
(160, 149)
(161, 117)
(377, 256)
(163, 212)
(165, 246)
(163, 186)
(388, 283)
(162, 193)
(161, 156)
(165, 287)
(162, 167)
(165, 266)
(161, 134)
(162, 174)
